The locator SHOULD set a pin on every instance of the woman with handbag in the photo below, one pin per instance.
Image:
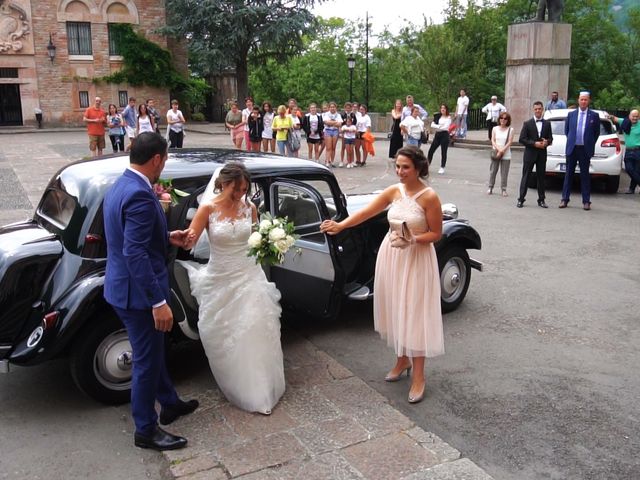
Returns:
(501, 139)
(441, 137)
(282, 124)
(413, 127)
(406, 309)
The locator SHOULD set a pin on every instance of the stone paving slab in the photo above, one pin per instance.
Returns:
(328, 425)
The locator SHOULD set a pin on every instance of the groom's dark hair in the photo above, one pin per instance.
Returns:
(145, 146)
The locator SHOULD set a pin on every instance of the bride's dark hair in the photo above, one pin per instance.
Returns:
(230, 174)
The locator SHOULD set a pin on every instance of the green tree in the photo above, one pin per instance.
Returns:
(236, 33)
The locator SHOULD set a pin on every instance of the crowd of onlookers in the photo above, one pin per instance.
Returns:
(123, 127)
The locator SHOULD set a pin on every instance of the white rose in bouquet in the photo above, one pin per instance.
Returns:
(290, 241)
(255, 240)
(277, 234)
(264, 226)
(282, 245)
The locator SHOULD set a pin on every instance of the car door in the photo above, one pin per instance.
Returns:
(310, 278)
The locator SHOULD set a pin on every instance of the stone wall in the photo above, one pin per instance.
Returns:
(55, 86)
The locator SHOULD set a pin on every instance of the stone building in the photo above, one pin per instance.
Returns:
(51, 50)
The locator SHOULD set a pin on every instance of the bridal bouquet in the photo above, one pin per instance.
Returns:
(273, 237)
(167, 194)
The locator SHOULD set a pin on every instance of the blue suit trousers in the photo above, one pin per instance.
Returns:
(577, 157)
(150, 379)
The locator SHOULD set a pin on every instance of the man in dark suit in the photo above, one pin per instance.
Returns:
(536, 136)
(582, 129)
(137, 287)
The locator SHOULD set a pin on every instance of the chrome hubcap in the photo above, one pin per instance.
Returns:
(113, 361)
(452, 279)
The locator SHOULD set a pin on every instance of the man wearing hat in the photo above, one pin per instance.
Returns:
(582, 129)
(493, 109)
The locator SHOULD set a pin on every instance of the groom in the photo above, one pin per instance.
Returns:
(137, 287)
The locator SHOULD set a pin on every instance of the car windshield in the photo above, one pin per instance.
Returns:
(557, 126)
(57, 207)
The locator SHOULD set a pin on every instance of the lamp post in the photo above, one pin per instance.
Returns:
(351, 63)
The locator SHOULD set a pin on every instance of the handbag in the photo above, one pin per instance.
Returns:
(293, 141)
(424, 137)
(495, 156)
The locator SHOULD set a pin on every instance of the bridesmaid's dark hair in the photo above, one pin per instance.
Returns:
(416, 155)
(232, 173)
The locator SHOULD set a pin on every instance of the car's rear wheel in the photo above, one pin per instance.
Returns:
(612, 184)
(455, 276)
(101, 361)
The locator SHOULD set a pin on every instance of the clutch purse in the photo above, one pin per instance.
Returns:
(401, 229)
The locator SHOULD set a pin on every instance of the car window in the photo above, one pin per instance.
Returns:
(557, 126)
(297, 206)
(324, 189)
(57, 206)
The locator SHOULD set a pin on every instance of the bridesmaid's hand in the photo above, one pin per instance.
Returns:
(330, 227)
(397, 241)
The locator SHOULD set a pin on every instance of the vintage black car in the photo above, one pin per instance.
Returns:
(52, 266)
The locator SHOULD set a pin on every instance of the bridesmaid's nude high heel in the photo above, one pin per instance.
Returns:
(419, 397)
(395, 378)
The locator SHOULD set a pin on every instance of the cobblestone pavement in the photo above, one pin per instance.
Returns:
(329, 425)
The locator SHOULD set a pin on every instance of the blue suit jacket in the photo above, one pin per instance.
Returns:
(137, 245)
(591, 131)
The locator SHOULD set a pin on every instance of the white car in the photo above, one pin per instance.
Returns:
(607, 160)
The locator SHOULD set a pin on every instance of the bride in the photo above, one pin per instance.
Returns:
(239, 310)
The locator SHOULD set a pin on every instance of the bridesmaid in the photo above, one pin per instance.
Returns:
(395, 141)
(406, 307)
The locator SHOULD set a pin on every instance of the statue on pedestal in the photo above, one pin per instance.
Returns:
(553, 8)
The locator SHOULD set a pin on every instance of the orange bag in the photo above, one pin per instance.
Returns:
(368, 143)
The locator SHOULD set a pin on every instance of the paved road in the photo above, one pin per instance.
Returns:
(539, 379)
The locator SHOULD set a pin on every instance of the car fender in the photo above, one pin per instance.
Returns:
(458, 232)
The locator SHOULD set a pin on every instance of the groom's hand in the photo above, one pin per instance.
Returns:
(163, 317)
(179, 238)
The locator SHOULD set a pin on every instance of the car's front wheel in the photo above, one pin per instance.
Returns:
(101, 361)
(455, 276)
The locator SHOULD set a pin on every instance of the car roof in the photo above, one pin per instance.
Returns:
(193, 162)
(561, 113)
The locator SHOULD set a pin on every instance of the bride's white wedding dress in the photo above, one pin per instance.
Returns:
(239, 320)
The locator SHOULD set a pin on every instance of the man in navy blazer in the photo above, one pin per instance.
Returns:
(137, 287)
(582, 129)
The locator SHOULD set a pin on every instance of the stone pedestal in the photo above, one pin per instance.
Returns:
(538, 59)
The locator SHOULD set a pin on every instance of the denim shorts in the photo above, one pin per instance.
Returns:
(330, 132)
(349, 141)
(413, 141)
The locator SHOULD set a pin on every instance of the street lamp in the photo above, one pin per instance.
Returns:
(351, 63)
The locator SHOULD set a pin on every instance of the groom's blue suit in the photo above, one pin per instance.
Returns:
(137, 279)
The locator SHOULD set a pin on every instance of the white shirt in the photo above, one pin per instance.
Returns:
(414, 126)
(444, 122)
(406, 111)
(332, 117)
(462, 105)
(246, 113)
(538, 125)
(173, 117)
(349, 131)
(363, 123)
(267, 121)
(493, 111)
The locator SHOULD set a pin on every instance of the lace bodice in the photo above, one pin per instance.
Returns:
(228, 241)
(406, 209)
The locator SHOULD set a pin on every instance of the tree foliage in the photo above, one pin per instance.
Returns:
(432, 62)
(239, 33)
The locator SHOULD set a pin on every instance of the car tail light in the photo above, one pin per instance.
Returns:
(612, 142)
(50, 319)
(93, 238)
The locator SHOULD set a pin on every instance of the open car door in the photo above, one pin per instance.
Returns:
(310, 278)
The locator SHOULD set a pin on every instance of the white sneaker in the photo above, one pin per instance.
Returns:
(441, 171)
(341, 164)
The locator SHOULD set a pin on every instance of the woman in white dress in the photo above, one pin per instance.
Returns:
(239, 310)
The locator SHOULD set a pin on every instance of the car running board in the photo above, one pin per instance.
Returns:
(361, 292)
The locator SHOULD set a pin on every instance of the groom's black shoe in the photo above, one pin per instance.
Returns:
(170, 414)
(159, 440)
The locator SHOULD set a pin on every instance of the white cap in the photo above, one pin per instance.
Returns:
(493, 97)
(584, 92)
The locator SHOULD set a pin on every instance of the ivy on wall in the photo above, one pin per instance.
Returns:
(144, 62)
